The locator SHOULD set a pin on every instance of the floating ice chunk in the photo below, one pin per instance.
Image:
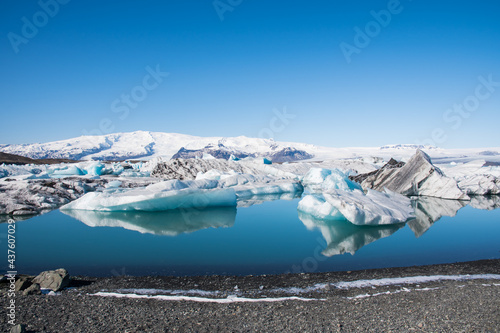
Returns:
(418, 177)
(374, 208)
(134, 173)
(207, 156)
(210, 174)
(114, 184)
(316, 176)
(66, 170)
(94, 169)
(319, 179)
(318, 207)
(277, 188)
(162, 196)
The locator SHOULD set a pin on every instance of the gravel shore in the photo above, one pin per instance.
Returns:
(438, 306)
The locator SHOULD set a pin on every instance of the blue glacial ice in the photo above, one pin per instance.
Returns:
(319, 179)
(174, 194)
(335, 197)
(64, 171)
(171, 194)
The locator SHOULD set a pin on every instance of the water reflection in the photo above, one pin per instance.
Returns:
(485, 202)
(428, 210)
(344, 237)
(169, 223)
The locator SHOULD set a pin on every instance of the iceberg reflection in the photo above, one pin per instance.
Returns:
(344, 237)
(428, 210)
(168, 223)
(485, 202)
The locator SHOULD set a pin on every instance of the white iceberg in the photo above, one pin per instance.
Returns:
(171, 194)
(373, 208)
(320, 179)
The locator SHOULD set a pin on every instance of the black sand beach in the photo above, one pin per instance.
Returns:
(439, 306)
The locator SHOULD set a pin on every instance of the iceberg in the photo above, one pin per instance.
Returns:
(372, 208)
(418, 177)
(171, 194)
(64, 171)
(94, 169)
(259, 199)
(480, 185)
(320, 179)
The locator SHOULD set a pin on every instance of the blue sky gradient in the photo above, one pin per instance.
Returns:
(226, 76)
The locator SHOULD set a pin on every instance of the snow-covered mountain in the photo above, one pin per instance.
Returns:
(146, 145)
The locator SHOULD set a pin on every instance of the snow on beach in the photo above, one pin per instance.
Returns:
(290, 293)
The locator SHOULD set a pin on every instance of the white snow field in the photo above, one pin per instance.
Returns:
(147, 179)
(147, 145)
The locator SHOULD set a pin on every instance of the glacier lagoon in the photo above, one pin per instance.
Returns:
(265, 237)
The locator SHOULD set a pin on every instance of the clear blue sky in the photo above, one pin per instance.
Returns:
(227, 76)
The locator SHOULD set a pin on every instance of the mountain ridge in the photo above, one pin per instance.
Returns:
(147, 145)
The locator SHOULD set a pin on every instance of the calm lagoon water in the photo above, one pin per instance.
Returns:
(266, 238)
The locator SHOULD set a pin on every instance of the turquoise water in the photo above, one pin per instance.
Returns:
(266, 238)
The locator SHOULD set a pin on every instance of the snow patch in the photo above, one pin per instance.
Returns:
(228, 300)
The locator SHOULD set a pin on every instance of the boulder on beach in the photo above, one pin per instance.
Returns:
(22, 283)
(55, 280)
